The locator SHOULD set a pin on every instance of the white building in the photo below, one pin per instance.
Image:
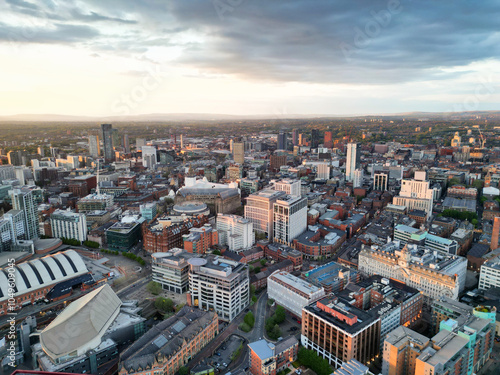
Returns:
(352, 161)
(322, 171)
(259, 210)
(69, 224)
(357, 180)
(435, 273)
(289, 218)
(171, 269)
(22, 200)
(220, 285)
(292, 292)
(416, 194)
(490, 274)
(149, 156)
(289, 186)
(235, 232)
(380, 181)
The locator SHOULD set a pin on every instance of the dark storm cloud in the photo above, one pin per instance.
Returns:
(319, 41)
(343, 40)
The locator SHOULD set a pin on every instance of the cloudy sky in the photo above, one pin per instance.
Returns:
(120, 57)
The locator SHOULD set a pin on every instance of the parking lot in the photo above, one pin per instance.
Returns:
(222, 356)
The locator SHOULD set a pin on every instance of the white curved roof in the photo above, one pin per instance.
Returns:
(36, 273)
(82, 324)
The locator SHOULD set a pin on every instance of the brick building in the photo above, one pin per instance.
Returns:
(157, 238)
(199, 240)
(267, 358)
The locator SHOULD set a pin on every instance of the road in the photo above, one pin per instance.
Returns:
(123, 293)
(259, 310)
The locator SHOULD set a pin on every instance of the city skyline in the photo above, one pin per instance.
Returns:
(279, 58)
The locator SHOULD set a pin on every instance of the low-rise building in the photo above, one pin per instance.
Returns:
(291, 292)
(267, 358)
(169, 345)
(435, 273)
(123, 236)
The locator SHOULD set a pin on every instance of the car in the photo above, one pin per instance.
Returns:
(298, 371)
(224, 364)
(218, 354)
(223, 348)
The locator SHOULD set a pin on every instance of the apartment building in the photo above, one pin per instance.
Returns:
(462, 345)
(406, 234)
(267, 358)
(200, 240)
(67, 224)
(220, 285)
(235, 232)
(289, 218)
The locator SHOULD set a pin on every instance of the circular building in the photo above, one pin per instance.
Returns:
(192, 208)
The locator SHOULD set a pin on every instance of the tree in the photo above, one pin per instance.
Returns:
(249, 319)
(478, 184)
(263, 262)
(256, 270)
(279, 315)
(216, 252)
(183, 370)
(453, 181)
(154, 287)
(164, 304)
(275, 333)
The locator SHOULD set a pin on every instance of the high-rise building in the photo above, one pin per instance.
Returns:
(357, 180)
(182, 141)
(22, 200)
(495, 234)
(328, 140)
(66, 224)
(126, 143)
(380, 181)
(295, 137)
(282, 137)
(289, 186)
(352, 161)
(94, 146)
(139, 143)
(416, 194)
(41, 151)
(235, 232)
(219, 285)
(314, 138)
(322, 171)
(12, 229)
(289, 218)
(276, 161)
(107, 137)
(259, 210)
(149, 156)
(239, 152)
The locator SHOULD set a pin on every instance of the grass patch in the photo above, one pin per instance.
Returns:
(237, 352)
(245, 327)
